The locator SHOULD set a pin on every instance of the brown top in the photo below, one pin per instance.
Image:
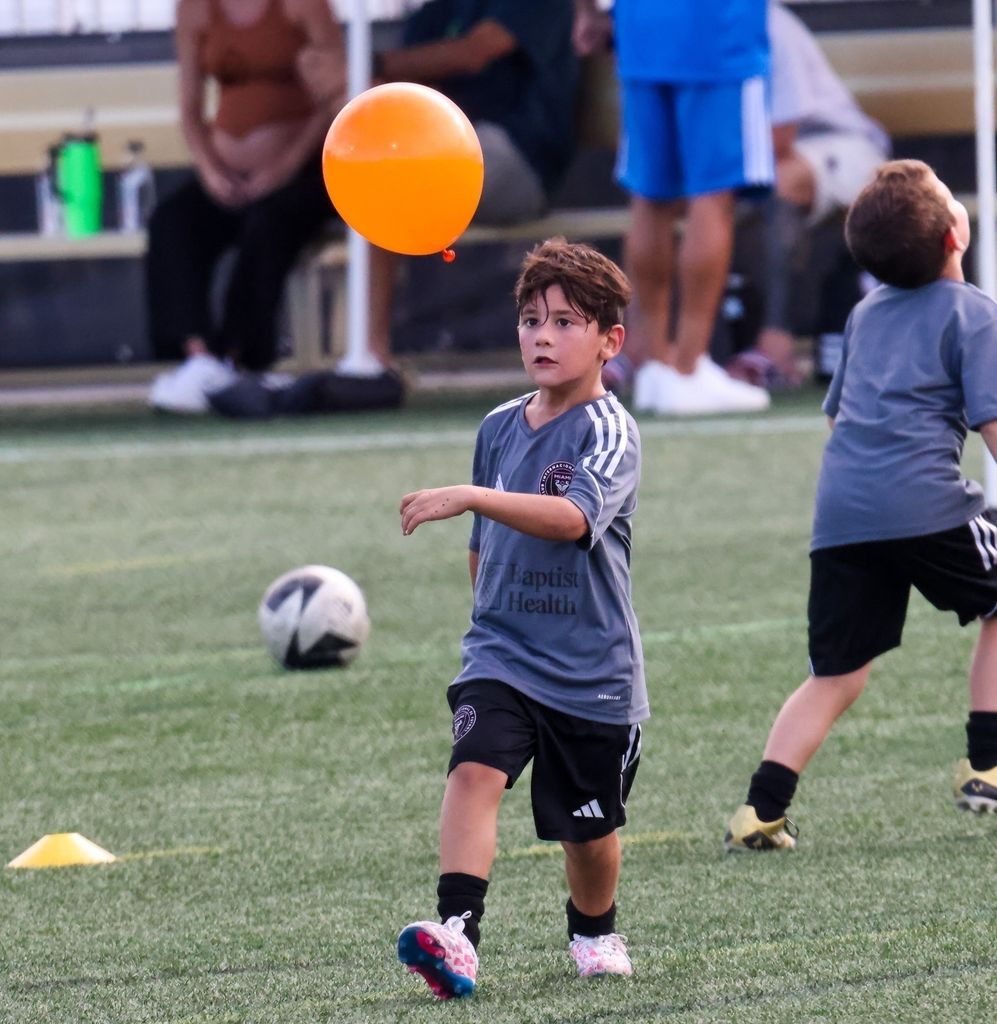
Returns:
(254, 66)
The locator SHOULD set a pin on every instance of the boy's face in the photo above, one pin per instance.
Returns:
(959, 214)
(560, 348)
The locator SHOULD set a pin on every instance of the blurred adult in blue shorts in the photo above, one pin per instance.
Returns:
(695, 133)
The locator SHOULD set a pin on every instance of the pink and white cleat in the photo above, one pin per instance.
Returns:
(600, 954)
(442, 954)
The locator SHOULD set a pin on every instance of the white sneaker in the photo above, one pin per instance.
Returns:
(731, 395)
(186, 389)
(649, 381)
(600, 954)
(685, 394)
(442, 954)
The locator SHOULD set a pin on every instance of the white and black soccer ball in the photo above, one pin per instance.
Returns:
(314, 617)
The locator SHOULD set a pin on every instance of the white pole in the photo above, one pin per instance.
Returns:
(358, 362)
(986, 184)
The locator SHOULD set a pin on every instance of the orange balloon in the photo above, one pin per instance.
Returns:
(402, 165)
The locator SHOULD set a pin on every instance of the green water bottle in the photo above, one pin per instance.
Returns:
(79, 184)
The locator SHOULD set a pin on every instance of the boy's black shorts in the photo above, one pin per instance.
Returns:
(859, 592)
(582, 770)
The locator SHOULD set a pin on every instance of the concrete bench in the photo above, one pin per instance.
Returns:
(316, 288)
(315, 294)
(304, 299)
(917, 81)
(29, 248)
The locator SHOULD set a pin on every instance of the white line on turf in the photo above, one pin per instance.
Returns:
(722, 628)
(178, 851)
(126, 564)
(290, 444)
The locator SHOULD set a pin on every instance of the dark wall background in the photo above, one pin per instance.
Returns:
(90, 312)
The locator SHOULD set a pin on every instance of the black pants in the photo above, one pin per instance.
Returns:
(189, 232)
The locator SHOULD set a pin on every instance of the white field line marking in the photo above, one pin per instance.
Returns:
(925, 618)
(723, 628)
(179, 851)
(98, 658)
(125, 565)
(90, 451)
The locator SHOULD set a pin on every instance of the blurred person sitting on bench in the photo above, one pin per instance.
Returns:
(827, 150)
(256, 188)
(510, 67)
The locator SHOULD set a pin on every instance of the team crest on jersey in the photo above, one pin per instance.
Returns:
(556, 479)
(463, 721)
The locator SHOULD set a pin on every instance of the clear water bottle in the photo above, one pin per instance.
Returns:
(47, 200)
(136, 190)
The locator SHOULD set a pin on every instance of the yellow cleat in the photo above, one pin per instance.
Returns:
(975, 791)
(748, 832)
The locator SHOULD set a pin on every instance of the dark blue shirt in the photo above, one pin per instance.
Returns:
(529, 92)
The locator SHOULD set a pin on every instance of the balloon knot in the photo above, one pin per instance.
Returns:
(449, 255)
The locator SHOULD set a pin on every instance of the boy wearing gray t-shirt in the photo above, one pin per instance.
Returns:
(918, 369)
(552, 665)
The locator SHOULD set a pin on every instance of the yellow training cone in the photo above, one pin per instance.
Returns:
(60, 850)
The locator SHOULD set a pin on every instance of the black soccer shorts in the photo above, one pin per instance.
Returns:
(859, 592)
(582, 770)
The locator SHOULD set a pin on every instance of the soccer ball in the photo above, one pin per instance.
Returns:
(313, 617)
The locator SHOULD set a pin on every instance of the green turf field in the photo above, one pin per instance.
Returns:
(277, 830)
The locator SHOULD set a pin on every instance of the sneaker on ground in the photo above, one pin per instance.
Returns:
(686, 394)
(666, 392)
(748, 832)
(442, 954)
(648, 382)
(731, 395)
(186, 388)
(975, 791)
(705, 392)
(600, 954)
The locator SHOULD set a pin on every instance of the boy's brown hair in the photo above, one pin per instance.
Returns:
(896, 227)
(592, 283)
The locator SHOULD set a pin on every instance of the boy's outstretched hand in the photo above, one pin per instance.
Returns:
(433, 504)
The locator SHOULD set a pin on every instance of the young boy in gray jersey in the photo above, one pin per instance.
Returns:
(552, 665)
(919, 367)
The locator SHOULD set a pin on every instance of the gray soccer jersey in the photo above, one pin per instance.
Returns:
(553, 619)
(918, 367)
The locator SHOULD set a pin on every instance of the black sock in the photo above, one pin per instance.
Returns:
(582, 924)
(771, 790)
(981, 736)
(459, 893)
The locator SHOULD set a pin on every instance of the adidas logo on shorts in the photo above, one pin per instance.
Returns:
(589, 810)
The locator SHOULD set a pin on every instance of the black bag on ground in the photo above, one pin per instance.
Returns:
(323, 391)
(327, 391)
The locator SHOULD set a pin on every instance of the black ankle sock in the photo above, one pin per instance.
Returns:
(459, 893)
(772, 789)
(582, 924)
(981, 736)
